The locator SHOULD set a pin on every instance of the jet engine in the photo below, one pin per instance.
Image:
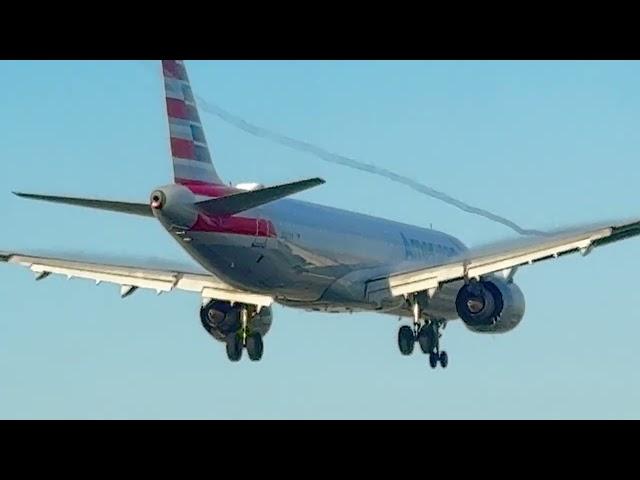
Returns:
(490, 305)
(221, 319)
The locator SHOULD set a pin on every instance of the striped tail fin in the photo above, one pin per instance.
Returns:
(189, 151)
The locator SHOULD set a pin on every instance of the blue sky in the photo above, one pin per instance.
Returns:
(543, 143)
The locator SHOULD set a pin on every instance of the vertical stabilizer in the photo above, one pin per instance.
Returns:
(192, 162)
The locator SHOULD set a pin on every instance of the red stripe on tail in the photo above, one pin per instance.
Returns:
(177, 109)
(174, 69)
(183, 148)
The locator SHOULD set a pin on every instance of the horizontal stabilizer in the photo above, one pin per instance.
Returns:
(239, 202)
(142, 209)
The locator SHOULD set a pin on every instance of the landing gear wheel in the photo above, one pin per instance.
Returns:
(255, 346)
(406, 340)
(444, 359)
(433, 359)
(207, 318)
(234, 347)
(426, 340)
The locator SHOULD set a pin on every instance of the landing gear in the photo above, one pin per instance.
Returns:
(407, 336)
(444, 359)
(426, 333)
(234, 347)
(244, 338)
(429, 340)
(255, 347)
(430, 335)
(426, 339)
(238, 326)
(433, 359)
(406, 340)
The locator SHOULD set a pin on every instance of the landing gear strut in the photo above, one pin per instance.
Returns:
(427, 334)
(407, 336)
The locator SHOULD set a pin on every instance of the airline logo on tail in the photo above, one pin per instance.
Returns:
(189, 151)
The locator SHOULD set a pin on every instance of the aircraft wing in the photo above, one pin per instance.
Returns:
(132, 278)
(499, 257)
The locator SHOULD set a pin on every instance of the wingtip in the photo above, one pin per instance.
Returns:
(25, 195)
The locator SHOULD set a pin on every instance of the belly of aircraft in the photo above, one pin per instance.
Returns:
(294, 276)
(264, 265)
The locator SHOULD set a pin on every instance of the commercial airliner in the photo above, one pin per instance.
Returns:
(254, 247)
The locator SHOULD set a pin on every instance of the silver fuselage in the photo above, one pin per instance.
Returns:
(319, 258)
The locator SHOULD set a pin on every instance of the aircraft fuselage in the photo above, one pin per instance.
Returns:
(304, 253)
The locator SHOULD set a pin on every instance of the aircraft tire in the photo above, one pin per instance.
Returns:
(406, 340)
(425, 339)
(433, 359)
(255, 347)
(234, 347)
(444, 359)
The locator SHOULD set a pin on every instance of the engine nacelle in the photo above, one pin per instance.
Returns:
(490, 306)
(221, 319)
(174, 204)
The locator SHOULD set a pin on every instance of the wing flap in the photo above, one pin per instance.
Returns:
(239, 202)
(132, 278)
(139, 281)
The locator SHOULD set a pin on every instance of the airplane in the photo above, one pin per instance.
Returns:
(256, 247)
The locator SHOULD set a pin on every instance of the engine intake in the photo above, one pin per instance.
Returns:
(490, 306)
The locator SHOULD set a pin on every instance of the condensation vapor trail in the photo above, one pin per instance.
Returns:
(356, 164)
(335, 158)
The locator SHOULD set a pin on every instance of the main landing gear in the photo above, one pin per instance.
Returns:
(238, 326)
(244, 338)
(426, 334)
